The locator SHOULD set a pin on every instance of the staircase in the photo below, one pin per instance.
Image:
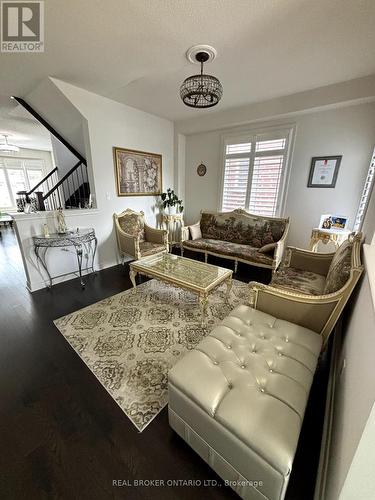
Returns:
(72, 191)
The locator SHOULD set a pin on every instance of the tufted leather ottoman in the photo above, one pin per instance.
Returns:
(239, 399)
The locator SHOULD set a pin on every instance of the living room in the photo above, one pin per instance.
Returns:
(116, 296)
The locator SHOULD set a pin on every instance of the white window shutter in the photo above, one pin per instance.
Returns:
(253, 172)
(236, 174)
(265, 184)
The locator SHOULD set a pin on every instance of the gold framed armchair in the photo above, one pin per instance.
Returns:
(137, 239)
(311, 289)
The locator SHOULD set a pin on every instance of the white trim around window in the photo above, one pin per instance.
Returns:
(25, 165)
(260, 161)
(365, 196)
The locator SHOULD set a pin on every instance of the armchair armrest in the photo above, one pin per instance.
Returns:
(156, 235)
(308, 260)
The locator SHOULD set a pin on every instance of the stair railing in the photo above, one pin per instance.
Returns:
(71, 191)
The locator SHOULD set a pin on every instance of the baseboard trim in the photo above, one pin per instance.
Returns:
(66, 277)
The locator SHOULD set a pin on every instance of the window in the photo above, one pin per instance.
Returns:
(5, 199)
(254, 172)
(18, 174)
(366, 193)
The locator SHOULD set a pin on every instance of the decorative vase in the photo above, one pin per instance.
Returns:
(61, 225)
(172, 210)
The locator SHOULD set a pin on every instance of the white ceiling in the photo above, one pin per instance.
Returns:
(22, 128)
(134, 51)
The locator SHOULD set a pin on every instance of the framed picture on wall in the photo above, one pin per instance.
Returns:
(137, 173)
(324, 171)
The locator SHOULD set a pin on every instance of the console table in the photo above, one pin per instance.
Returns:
(174, 223)
(326, 235)
(83, 241)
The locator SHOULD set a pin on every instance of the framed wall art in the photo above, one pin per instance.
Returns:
(324, 171)
(137, 173)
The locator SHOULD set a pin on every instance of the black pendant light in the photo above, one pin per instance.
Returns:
(201, 91)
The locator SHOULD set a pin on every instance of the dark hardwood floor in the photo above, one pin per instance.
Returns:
(62, 435)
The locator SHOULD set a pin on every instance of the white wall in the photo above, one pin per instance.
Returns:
(355, 386)
(47, 99)
(359, 482)
(64, 159)
(349, 131)
(109, 124)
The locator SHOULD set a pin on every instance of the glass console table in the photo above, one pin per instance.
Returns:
(83, 241)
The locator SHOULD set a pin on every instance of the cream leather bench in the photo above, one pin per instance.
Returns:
(239, 399)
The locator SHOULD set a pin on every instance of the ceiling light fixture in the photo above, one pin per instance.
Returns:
(201, 91)
(5, 147)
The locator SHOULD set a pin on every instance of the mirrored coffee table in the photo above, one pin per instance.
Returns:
(196, 277)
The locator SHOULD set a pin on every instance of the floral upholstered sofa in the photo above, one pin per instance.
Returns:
(311, 289)
(239, 236)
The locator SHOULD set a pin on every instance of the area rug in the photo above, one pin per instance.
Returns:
(131, 340)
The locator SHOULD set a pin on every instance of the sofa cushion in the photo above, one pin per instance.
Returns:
(251, 377)
(229, 249)
(339, 270)
(148, 248)
(241, 227)
(299, 281)
(133, 224)
(195, 232)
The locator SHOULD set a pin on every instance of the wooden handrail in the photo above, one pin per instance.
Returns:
(41, 182)
(68, 174)
(50, 129)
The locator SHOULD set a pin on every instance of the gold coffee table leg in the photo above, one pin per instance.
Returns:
(132, 275)
(203, 302)
(229, 283)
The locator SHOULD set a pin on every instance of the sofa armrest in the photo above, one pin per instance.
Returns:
(318, 313)
(308, 261)
(280, 247)
(154, 235)
(185, 235)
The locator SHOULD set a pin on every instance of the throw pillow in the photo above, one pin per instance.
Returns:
(195, 232)
(267, 248)
(339, 270)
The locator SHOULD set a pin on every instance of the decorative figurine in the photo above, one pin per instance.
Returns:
(61, 224)
(46, 230)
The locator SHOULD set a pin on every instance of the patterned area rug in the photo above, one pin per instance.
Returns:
(131, 340)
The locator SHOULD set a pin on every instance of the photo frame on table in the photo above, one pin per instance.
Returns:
(137, 173)
(324, 171)
(333, 222)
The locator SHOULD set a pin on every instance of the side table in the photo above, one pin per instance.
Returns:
(327, 235)
(174, 223)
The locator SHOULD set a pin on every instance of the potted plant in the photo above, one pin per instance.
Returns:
(171, 202)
